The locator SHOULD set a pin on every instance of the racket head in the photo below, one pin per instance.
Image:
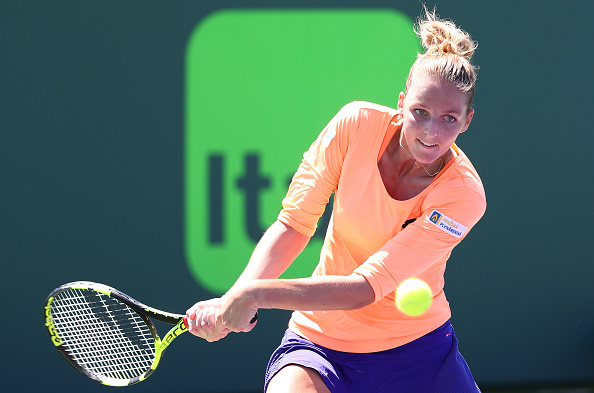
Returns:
(101, 335)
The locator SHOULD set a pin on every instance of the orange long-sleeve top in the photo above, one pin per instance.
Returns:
(367, 234)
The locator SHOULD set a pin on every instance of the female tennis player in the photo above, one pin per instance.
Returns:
(405, 196)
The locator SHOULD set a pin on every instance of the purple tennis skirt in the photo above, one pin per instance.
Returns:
(431, 363)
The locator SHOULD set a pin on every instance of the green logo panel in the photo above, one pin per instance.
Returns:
(260, 86)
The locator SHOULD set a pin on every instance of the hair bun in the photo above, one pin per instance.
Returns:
(442, 36)
(448, 50)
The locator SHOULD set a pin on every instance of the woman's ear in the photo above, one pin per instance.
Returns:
(468, 120)
(401, 97)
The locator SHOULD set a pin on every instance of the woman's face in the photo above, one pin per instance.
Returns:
(434, 113)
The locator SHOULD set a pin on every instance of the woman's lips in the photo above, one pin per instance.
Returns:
(427, 145)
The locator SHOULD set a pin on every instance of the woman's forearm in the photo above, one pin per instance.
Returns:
(304, 294)
(307, 294)
(259, 287)
(274, 253)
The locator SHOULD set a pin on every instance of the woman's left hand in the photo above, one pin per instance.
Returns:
(202, 322)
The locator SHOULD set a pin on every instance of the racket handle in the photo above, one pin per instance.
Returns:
(255, 318)
(185, 318)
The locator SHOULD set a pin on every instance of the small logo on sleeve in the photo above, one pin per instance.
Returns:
(327, 138)
(446, 224)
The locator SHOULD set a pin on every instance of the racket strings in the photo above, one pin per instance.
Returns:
(103, 335)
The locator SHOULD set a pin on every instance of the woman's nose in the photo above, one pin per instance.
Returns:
(431, 129)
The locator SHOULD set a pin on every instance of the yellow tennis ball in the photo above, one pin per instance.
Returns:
(413, 297)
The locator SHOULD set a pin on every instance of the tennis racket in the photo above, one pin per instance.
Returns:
(107, 335)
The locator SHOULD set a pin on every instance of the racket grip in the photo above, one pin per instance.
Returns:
(185, 318)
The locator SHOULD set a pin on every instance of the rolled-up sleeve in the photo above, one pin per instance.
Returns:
(423, 247)
(319, 172)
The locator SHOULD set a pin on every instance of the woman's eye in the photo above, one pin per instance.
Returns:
(420, 112)
(450, 119)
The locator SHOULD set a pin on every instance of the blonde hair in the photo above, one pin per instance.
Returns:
(448, 50)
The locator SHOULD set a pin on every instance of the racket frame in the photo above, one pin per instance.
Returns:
(143, 311)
